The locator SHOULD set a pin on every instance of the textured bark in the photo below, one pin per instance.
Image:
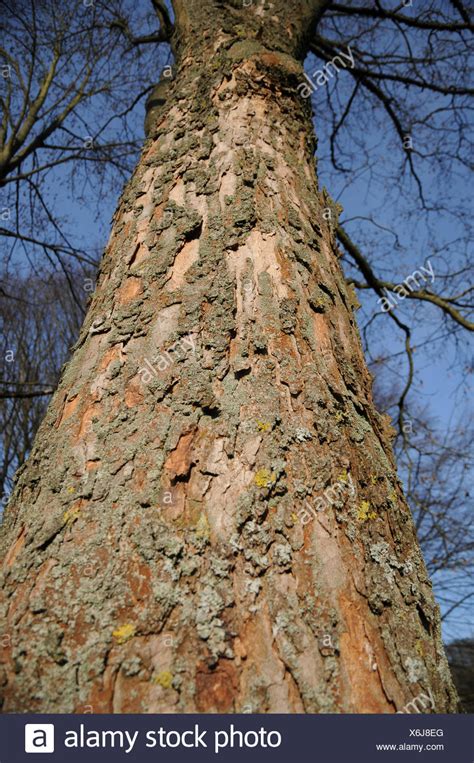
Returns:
(158, 553)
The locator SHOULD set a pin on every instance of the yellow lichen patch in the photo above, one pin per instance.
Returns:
(364, 513)
(203, 529)
(373, 479)
(263, 426)
(70, 516)
(419, 647)
(124, 633)
(342, 476)
(264, 478)
(164, 679)
(71, 489)
(294, 516)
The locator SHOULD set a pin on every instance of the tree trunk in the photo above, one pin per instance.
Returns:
(210, 519)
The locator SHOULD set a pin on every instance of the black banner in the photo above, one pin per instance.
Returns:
(400, 738)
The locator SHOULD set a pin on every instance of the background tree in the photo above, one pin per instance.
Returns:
(460, 655)
(436, 467)
(71, 77)
(377, 36)
(38, 326)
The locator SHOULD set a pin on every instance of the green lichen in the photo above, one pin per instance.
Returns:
(124, 633)
(203, 529)
(164, 679)
(364, 513)
(264, 478)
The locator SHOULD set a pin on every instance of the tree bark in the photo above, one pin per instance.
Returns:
(210, 519)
